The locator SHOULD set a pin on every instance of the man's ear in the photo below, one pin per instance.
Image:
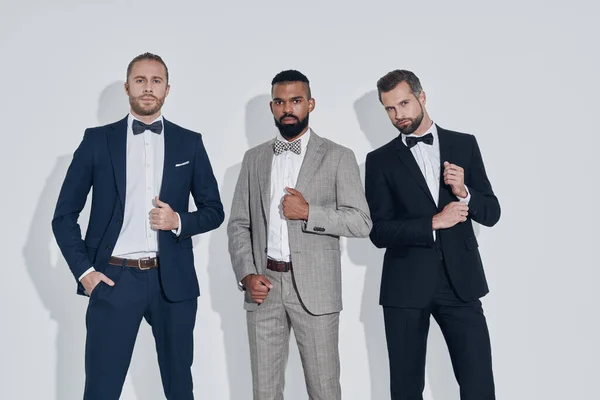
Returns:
(423, 98)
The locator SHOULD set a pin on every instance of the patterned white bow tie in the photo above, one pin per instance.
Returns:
(280, 147)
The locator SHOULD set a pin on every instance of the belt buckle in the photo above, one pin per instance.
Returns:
(140, 263)
(282, 266)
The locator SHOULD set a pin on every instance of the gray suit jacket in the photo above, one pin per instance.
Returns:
(329, 179)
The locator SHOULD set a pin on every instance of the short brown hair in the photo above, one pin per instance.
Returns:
(393, 78)
(148, 57)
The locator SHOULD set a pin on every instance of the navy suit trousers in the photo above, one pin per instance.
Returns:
(113, 319)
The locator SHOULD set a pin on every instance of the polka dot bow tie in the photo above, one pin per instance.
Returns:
(280, 147)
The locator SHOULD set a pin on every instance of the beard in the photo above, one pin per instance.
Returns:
(290, 131)
(139, 108)
(412, 126)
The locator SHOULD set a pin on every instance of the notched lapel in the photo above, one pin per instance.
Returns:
(117, 146)
(315, 151)
(264, 164)
(446, 154)
(405, 155)
(171, 151)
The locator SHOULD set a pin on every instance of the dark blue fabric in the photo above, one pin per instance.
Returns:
(113, 318)
(99, 163)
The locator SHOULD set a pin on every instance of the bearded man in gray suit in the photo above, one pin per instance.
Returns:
(295, 196)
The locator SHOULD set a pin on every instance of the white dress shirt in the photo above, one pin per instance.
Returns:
(427, 157)
(144, 169)
(285, 169)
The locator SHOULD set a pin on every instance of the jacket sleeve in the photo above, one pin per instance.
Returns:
(351, 217)
(209, 214)
(71, 200)
(484, 207)
(238, 227)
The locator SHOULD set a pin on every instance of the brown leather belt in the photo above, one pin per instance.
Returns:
(141, 263)
(279, 266)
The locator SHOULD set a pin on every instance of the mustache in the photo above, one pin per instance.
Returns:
(288, 116)
(145, 96)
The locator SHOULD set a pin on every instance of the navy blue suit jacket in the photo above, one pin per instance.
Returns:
(99, 162)
(402, 209)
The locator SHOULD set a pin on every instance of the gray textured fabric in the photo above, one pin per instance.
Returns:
(330, 182)
(308, 299)
(269, 333)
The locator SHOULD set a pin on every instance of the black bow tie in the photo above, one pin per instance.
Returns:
(139, 127)
(412, 141)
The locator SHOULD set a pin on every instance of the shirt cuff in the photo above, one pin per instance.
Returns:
(91, 269)
(177, 231)
(466, 199)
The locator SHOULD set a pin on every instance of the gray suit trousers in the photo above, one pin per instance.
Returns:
(269, 333)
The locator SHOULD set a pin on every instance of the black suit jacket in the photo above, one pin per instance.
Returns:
(100, 162)
(402, 209)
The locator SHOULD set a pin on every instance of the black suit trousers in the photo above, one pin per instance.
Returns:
(465, 330)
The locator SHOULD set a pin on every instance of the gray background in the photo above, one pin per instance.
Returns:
(521, 75)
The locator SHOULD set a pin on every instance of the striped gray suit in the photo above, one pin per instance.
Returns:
(309, 298)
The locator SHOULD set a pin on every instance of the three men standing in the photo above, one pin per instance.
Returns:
(295, 197)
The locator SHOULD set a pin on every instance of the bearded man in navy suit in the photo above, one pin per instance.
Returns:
(136, 260)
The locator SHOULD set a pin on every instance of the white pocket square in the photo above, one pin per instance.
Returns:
(182, 164)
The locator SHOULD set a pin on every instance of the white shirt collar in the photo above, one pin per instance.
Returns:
(432, 129)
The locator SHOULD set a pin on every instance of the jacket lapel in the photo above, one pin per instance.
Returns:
(171, 150)
(264, 165)
(312, 159)
(407, 158)
(117, 146)
(446, 154)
